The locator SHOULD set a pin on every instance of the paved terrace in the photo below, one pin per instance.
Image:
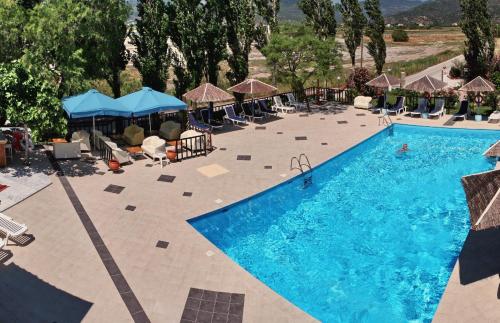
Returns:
(100, 256)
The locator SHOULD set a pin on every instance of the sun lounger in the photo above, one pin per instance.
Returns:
(247, 111)
(10, 227)
(294, 103)
(232, 117)
(495, 116)
(196, 125)
(463, 112)
(380, 104)
(438, 110)
(279, 106)
(264, 109)
(399, 107)
(208, 119)
(422, 107)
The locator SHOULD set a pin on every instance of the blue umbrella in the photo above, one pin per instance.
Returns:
(92, 104)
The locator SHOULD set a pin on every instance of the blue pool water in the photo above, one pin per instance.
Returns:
(374, 239)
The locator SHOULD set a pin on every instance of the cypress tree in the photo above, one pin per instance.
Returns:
(375, 28)
(354, 22)
(476, 24)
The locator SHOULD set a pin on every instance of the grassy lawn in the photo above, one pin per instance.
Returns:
(417, 65)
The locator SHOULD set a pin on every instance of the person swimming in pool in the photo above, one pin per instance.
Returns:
(404, 149)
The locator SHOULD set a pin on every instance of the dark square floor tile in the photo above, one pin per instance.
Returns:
(139, 157)
(189, 314)
(193, 303)
(237, 298)
(187, 194)
(260, 128)
(195, 293)
(360, 114)
(268, 167)
(223, 149)
(130, 208)
(207, 306)
(279, 133)
(321, 118)
(363, 125)
(234, 319)
(114, 189)
(149, 165)
(324, 144)
(303, 115)
(221, 307)
(100, 173)
(342, 122)
(204, 317)
(243, 157)
(223, 297)
(166, 178)
(219, 318)
(236, 309)
(162, 244)
(209, 295)
(399, 119)
(301, 138)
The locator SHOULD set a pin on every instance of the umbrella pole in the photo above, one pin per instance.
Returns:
(149, 116)
(93, 127)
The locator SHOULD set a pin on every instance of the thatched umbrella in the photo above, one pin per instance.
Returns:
(478, 85)
(252, 87)
(493, 151)
(426, 84)
(384, 81)
(483, 191)
(207, 93)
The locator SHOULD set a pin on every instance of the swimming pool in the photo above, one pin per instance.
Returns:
(376, 236)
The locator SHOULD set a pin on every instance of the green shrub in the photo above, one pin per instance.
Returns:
(400, 35)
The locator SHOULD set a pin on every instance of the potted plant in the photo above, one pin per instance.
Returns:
(114, 165)
(171, 155)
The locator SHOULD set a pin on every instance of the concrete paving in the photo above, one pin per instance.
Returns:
(63, 257)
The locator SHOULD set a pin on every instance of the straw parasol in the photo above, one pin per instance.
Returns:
(426, 84)
(207, 93)
(252, 86)
(385, 81)
(478, 84)
(493, 151)
(483, 191)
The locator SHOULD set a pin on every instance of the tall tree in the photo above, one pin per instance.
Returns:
(186, 31)
(375, 28)
(12, 21)
(28, 4)
(476, 24)
(54, 35)
(215, 39)
(354, 22)
(105, 52)
(150, 37)
(320, 15)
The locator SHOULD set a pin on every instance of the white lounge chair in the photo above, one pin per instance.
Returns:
(83, 138)
(153, 146)
(438, 110)
(11, 228)
(279, 106)
(120, 155)
(294, 103)
(495, 116)
(422, 107)
(232, 117)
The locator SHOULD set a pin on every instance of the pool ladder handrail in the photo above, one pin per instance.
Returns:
(386, 119)
(300, 166)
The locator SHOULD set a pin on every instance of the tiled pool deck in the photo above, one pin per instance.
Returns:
(117, 248)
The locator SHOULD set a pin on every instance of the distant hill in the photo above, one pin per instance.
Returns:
(437, 12)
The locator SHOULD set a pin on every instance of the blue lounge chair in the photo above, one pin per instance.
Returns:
(264, 108)
(196, 125)
(232, 117)
(464, 110)
(248, 111)
(422, 107)
(398, 107)
(380, 104)
(207, 116)
(438, 110)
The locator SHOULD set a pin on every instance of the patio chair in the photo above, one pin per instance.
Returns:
(152, 146)
(83, 138)
(232, 117)
(421, 108)
(464, 111)
(494, 116)
(120, 155)
(247, 111)
(362, 102)
(279, 106)
(294, 103)
(438, 110)
(398, 107)
(262, 104)
(11, 228)
(197, 125)
(380, 104)
(207, 116)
